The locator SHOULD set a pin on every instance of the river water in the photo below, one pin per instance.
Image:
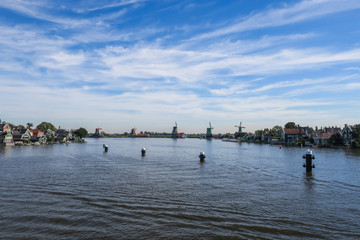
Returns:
(242, 191)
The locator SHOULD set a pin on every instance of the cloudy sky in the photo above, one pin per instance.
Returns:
(119, 63)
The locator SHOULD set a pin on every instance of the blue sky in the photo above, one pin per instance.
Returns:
(119, 63)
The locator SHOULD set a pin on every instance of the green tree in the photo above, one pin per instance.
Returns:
(290, 125)
(29, 125)
(275, 130)
(336, 139)
(356, 131)
(356, 135)
(44, 126)
(21, 127)
(81, 132)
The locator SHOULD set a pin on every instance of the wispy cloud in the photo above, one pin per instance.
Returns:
(115, 5)
(116, 61)
(302, 11)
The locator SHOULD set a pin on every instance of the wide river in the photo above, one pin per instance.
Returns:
(242, 191)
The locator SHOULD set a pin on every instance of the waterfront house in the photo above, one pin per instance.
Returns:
(218, 136)
(293, 135)
(332, 129)
(142, 135)
(21, 135)
(266, 136)
(258, 137)
(62, 135)
(251, 137)
(5, 134)
(38, 136)
(242, 136)
(323, 138)
(49, 133)
(326, 134)
(37, 133)
(7, 139)
(347, 135)
(5, 128)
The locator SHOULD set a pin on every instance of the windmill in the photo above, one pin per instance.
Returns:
(97, 133)
(133, 131)
(174, 131)
(238, 134)
(240, 128)
(208, 131)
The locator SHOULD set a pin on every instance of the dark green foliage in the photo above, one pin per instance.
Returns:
(356, 132)
(290, 125)
(44, 126)
(81, 132)
(21, 127)
(275, 130)
(336, 139)
(29, 125)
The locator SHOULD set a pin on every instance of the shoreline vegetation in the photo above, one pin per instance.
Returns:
(290, 135)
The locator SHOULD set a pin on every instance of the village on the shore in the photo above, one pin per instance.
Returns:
(289, 135)
(44, 133)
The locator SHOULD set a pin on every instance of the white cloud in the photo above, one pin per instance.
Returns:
(61, 60)
(119, 4)
(302, 11)
(111, 75)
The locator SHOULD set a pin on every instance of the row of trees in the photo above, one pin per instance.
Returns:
(275, 130)
(42, 126)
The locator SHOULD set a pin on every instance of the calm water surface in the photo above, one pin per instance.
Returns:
(243, 191)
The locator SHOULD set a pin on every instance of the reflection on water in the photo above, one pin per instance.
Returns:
(354, 153)
(309, 180)
(245, 191)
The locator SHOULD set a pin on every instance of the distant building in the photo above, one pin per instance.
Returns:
(5, 128)
(97, 133)
(292, 135)
(8, 139)
(21, 135)
(323, 138)
(347, 135)
(142, 135)
(62, 135)
(324, 135)
(133, 132)
(37, 133)
(218, 136)
(266, 136)
(49, 133)
(175, 133)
